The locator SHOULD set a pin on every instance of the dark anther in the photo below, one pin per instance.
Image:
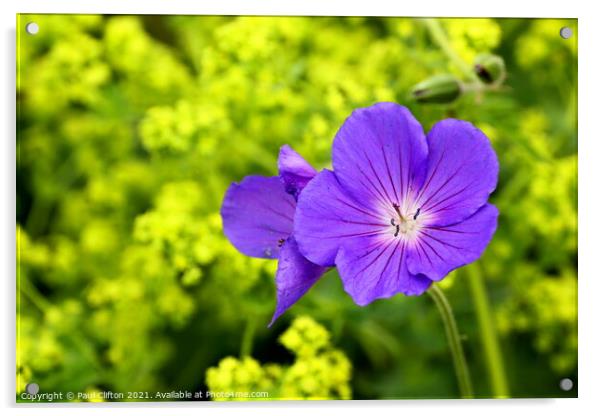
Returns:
(416, 214)
(396, 227)
(280, 242)
(396, 207)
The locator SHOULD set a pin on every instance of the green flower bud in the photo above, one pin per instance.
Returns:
(490, 68)
(437, 89)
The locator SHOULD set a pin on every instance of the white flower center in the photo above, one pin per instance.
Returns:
(405, 224)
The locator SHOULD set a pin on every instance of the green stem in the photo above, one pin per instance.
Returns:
(489, 339)
(455, 344)
(75, 336)
(246, 347)
(479, 87)
(440, 38)
(31, 292)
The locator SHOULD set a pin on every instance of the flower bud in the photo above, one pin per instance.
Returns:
(490, 68)
(437, 89)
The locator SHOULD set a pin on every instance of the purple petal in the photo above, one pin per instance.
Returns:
(438, 250)
(294, 171)
(295, 276)
(257, 216)
(371, 269)
(327, 217)
(379, 153)
(462, 172)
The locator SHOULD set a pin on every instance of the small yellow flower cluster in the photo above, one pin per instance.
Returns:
(541, 201)
(318, 372)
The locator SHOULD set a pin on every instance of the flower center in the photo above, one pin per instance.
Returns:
(404, 224)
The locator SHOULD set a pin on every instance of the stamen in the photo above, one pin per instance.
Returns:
(396, 227)
(280, 242)
(396, 207)
(416, 214)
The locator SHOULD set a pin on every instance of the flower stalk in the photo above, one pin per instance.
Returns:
(246, 346)
(440, 39)
(489, 338)
(455, 343)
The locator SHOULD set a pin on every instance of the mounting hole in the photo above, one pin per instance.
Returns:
(32, 28)
(32, 388)
(566, 384)
(566, 32)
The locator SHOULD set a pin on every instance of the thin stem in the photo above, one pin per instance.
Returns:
(38, 300)
(440, 38)
(489, 339)
(31, 292)
(246, 348)
(455, 344)
(479, 87)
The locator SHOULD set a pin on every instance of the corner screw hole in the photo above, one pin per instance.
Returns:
(32, 28)
(566, 384)
(566, 32)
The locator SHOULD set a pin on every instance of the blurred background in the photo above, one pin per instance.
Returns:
(130, 129)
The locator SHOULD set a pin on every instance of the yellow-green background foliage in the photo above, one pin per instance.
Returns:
(131, 128)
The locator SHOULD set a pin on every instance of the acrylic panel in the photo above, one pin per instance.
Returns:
(289, 208)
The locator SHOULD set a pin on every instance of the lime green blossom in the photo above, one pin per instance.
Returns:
(318, 372)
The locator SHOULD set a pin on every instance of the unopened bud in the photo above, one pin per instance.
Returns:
(490, 68)
(437, 89)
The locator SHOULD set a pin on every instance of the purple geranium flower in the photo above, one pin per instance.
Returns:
(257, 217)
(399, 211)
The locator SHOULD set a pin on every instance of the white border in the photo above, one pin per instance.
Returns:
(507, 8)
(590, 206)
